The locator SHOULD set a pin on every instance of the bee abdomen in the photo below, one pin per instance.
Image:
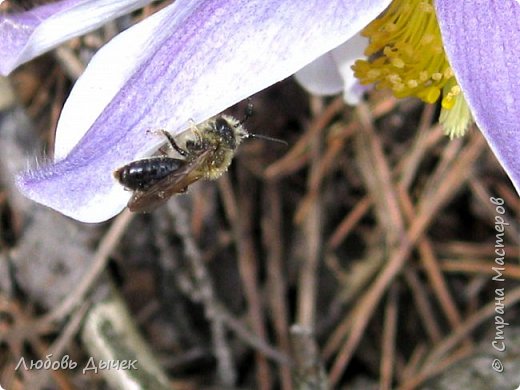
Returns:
(142, 174)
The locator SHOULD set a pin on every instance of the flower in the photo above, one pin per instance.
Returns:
(193, 59)
(463, 52)
(409, 58)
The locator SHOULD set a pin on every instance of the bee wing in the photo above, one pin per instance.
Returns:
(177, 182)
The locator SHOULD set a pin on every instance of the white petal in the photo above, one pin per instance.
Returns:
(321, 77)
(345, 56)
(332, 72)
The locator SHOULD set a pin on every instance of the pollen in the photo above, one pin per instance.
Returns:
(406, 55)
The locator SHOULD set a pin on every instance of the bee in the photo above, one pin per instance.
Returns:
(207, 154)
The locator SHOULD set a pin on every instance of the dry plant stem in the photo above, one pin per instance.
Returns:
(308, 277)
(510, 196)
(450, 153)
(383, 106)
(276, 281)
(379, 182)
(320, 168)
(389, 333)
(198, 213)
(286, 165)
(425, 138)
(363, 311)
(478, 267)
(248, 268)
(483, 196)
(57, 105)
(453, 181)
(423, 306)
(196, 293)
(416, 381)
(434, 363)
(433, 271)
(109, 334)
(409, 165)
(228, 198)
(486, 312)
(7, 96)
(107, 244)
(472, 250)
(349, 222)
(413, 364)
(70, 330)
(337, 338)
(378, 177)
(24, 331)
(309, 373)
(406, 169)
(205, 291)
(22, 328)
(60, 344)
(69, 62)
(425, 248)
(41, 98)
(251, 339)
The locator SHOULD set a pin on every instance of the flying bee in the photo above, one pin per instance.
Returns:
(207, 154)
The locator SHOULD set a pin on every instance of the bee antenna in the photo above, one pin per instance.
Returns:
(265, 137)
(249, 111)
(247, 115)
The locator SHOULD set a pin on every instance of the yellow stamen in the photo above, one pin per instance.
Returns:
(455, 114)
(406, 55)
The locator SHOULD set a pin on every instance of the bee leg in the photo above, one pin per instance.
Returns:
(171, 141)
(173, 144)
(195, 130)
(248, 112)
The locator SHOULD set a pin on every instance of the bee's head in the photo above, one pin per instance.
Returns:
(230, 131)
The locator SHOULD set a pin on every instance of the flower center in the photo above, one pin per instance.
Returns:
(406, 55)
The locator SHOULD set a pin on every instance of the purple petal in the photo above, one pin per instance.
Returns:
(482, 41)
(28, 34)
(201, 57)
